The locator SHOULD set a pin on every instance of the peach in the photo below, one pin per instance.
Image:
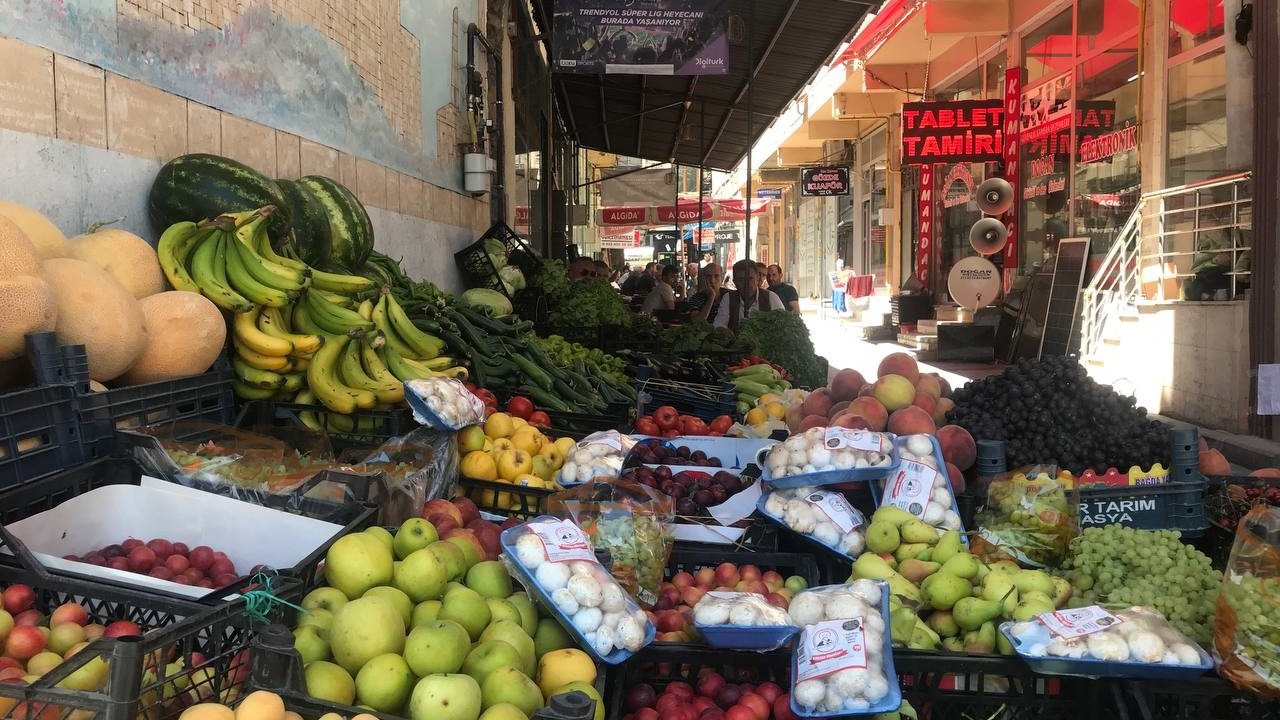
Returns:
(794, 416)
(838, 408)
(911, 420)
(930, 385)
(812, 421)
(925, 402)
(868, 390)
(895, 392)
(956, 477)
(899, 363)
(940, 410)
(819, 402)
(1213, 463)
(846, 384)
(1266, 473)
(943, 385)
(870, 409)
(957, 446)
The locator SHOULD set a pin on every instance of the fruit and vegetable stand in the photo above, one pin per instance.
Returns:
(257, 472)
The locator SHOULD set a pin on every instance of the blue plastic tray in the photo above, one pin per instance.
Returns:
(835, 477)
(877, 490)
(747, 637)
(1087, 667)
(508, 540)
(808, 538)
(892, 699)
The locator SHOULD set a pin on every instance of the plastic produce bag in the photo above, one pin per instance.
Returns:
(598, 456)
(419, 466)
(1029, 517)
(1246, 628)
(630, 521)
(1133, 636)
(443, 403)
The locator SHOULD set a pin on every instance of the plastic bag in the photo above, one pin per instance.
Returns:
(419, 466)
(443, 403)
(1029, 517)
(1135, 636)
(598, 456)
(631, 522)
(1248, 609)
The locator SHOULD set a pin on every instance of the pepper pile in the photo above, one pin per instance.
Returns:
(751, 382)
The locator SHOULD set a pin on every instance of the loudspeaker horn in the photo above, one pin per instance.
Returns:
(988, 236)
(995, 196)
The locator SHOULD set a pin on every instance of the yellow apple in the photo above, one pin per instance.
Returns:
(528, 439)
(553, 451)
(530, 480)
(488, 444)
(566, 445)
(471, 438)
(501, 445)
(478, 465)
(514, 463)
(544, 467)
(499, 425)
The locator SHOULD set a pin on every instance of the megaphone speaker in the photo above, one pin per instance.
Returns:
(995, 196)
(988, 236)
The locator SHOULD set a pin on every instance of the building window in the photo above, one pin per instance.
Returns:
(1107, 177)
(1193, 23)
(1197, 123)
(1049, 49)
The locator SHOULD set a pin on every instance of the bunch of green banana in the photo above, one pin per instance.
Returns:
(270, 360)
(219, 259)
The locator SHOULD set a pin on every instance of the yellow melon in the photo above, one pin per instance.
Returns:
(126, 256)
(185, 335)
(29, 304)
(96, 311)
(18, 254)
(48, 239)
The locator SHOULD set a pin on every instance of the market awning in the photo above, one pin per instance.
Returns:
(686, 211)
(776, 46)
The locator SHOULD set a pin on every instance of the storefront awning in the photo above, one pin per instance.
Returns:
(686, 211)
(707, 120)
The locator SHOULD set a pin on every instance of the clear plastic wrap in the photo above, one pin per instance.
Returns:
(630, 521)
(829, 456)
(822, 516)
(443, 403)
(1246, 629)
(1029, 517)
(598, 456)
(417, 467)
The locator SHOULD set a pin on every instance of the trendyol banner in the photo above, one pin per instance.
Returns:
(685, 211)
(616, 36)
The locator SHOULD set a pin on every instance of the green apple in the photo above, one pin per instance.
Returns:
(550, 636)
(439, 646)
(528, 613)
(504, 711)
(445, 697)
(324, 598)
(489, 655)
(509, 685)
(89, 677)
(318, 618)
(500, 609)
(415, 534)
(450, 556)
(451, 586)
(357, 562)
(424, 612)
(465, 607)
(421, 576)
(470, 550)
(310, 646)
(490, 579)
(63, 636)
(396, 597)
(326, 681)
(383, 535)
(384, 683)
(795, 584)
(364, 629)
(511, 633)
(471, 438)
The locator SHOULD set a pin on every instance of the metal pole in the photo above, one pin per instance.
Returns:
(746, 201)
(679, 234)
(702, 143)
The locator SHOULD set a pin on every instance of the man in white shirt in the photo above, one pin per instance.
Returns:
(662, 296)
(748, 297)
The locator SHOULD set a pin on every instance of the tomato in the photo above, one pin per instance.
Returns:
(691, 425)
(646, 426)
(722, 424)
(520, 407)
(540, 419)
(667, 417)
(670, 433)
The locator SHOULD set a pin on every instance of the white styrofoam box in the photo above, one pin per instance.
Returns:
(249, 534)
(719, 535)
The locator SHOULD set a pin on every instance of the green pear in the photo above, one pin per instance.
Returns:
(916, 530)
(907, 551)
(1003, 646)
(549, 636)
(364, 629)
(917, 570)
(384, 683)
(953, 644)
(465, 607)
(421, 576)
(983, 571)
(1062, 591)
(327, 681)
(949, 544)
(445, 697)
(415, 534)
(356, 562)
(971, 613)
(999, 586)
(961, 565)
(942, 589)
(310, 646)
(528, 613)
(922, 638)
(882, 537)
(1034, 581)
(870, 566)
(895, 516)
(396, 597)
(424, 612)
(511, 633)
(439, 646)
(982, 640)
(319, 619)
(1030, 605)
(489, 655)
(902, 624)
(500, 609)
(925, 554)
(943, 623)
(509, 685)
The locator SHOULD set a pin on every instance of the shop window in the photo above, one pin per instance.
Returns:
(1193, 23)
(1104, 24)
(1107, 176)
(1197, 124)
(1049, 49)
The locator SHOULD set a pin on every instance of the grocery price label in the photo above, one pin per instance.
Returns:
(828, 647)
(840, 438)
(563, 541)
(1078, 622)
(836, 508)
(910, 487)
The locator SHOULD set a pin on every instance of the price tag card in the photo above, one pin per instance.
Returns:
(829, 647)
(563, 541)
(836, 508)
(1078, 622)
(910, 487)
(837, 438)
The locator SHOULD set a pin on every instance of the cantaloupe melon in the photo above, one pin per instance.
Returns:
(185, 334)
(126, 256)
(48, 239)
(96, 311)
(27, 302)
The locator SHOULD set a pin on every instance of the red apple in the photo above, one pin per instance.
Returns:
(705, 578)
(728, 696)
(749, 572)
(177, 564)
(30, 618)
(122, 628)
(221, 567)
(773, 580)
(769, 691)
(161, 572)
(24, 642)
(782, 708)
(727, 574)
(438, 508)
(691, 595)
(118, 563)
(8, 662)
(13, 675)
(93, 631)
(181, 549)
(201, 557)
(668, 704)
(757, 704)
(680, 688)
(670, 621)
(682, 580)
(18, 597)
(161, 547)
(142, 559)
(641, 695)
(777, 600)
(68, 612)
(130, 544)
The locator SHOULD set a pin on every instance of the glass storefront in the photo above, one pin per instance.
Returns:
(872, 179)
(1197, 132)
(1107, 175)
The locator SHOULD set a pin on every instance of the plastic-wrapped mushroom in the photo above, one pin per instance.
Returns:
(743, 614)
(809, 693)
(711, 613)
(850, 682)
(775, 505)
(827, 534)
(629, 634)
(588, 619)
(1108, 646)
(853, 543)
(1186, 654)
(919, 445)
(877, 687)
(868, 590)
(604, 642)
(613, 600)
(1146, 646)
(552, 576)
(530, 552)
(586, 590)
(833, 699)
(806, 609)
(565, 601)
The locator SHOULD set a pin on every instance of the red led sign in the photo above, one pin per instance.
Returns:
(952, 132)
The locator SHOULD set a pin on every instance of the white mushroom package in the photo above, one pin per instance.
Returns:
(825, 449)
(842, 663)
(598, 455)
(738, 609)
(443, 403)
(824, 516)
(1138, 635)
(566, 576)
(920, 485)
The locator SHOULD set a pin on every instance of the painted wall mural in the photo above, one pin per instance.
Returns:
(374, 97)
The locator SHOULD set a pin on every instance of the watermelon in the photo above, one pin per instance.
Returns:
(349, 226)
(201, 186)
(312, 239)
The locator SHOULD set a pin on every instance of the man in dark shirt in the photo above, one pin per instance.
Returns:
(639, 284)
(785, 291)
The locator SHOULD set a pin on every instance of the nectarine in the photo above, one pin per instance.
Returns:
(899, 363)
(957, 446)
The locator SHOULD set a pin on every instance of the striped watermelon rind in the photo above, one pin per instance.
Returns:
(312, 238)
(199, 186)
(350, 229)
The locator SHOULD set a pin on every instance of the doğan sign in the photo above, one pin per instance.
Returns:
(824, 181)
(962, 131)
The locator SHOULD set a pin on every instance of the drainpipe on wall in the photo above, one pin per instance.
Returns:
(492, 126)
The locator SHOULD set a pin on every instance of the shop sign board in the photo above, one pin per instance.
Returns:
(620, 216)
(620, 240)
(662, 240)
(641, 38)
(1012, 146)
(924, 224)
(727, 235)
(1104, 147)
(824, 181)
(769, 193)
(957, 187)
(1046, 109)
(952, 132)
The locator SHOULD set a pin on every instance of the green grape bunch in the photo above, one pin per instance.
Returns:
(1256, 603)
(1116, 565)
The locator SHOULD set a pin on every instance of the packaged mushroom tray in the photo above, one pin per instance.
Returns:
(598, 456)
(555, 561)
(920, 486)
(1136, 643)
(829, 456)
(823, 517)
(741, 621)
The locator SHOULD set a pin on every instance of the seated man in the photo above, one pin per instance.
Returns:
(748, 297)
(662, 296)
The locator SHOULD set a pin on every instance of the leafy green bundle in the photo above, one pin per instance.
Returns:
(783, 338)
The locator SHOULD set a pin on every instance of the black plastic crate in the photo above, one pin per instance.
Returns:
(208, 397)
(662, 664)
(691, 559)
(54, 364)
(40, 434)
(520, 501)
(704, 401)
(364, 430)
(1206, 698)
(478, 271)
